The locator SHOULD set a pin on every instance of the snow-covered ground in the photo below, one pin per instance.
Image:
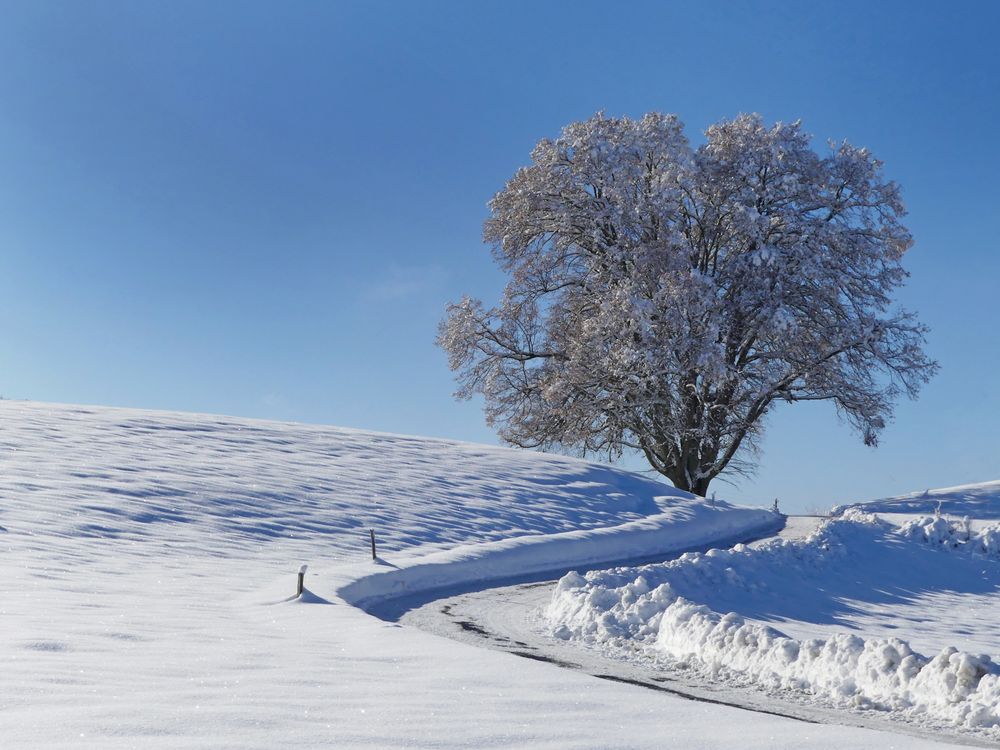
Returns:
(147, 560)
(860, 614)
(979, 501)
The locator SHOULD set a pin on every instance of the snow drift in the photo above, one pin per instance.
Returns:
(692, 522)
(656, 609)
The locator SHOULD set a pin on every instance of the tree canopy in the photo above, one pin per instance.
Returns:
(664, 298)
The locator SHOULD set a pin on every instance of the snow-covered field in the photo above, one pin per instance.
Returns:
(860, 614)
(147, 561)
(979, 501)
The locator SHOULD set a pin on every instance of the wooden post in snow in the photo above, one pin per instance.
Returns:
(302, 578)
(372, 532)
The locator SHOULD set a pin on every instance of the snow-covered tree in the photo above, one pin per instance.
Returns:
(663, 298)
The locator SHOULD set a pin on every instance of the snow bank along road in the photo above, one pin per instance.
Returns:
(511, 619)
(147, 558)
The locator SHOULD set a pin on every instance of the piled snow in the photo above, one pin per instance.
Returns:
(954, 534)
(660, 609)
(690, 523)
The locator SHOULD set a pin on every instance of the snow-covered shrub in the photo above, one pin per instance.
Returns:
(949, 533)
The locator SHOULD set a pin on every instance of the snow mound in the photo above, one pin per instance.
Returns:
(980, 501)
(949, 533)
(655, 609)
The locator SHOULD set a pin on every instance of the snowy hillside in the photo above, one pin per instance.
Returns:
(145, 560)
(979, 501)
(142, 480)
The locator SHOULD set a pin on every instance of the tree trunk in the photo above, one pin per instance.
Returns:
(679, 479)
(700, 487)
(677, 470)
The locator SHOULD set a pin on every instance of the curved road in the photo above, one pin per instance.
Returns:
(508, 618)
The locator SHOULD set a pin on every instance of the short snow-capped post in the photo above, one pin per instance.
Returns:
(302, 578)
(372, 532)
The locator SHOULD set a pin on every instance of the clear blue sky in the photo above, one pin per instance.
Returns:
(262, 210)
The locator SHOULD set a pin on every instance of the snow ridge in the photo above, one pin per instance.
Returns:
(694, 523)
(643, 607)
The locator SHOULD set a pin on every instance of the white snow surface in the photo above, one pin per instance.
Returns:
(147, 559)
(147, 563)
(720, 613)
(978, 501)
(175, 481)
